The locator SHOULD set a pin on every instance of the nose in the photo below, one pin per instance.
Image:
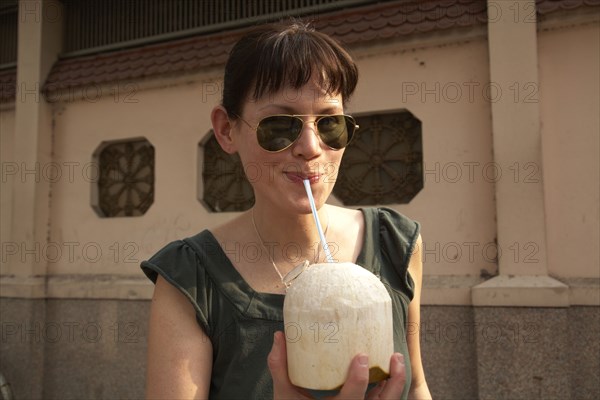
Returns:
(308, 144)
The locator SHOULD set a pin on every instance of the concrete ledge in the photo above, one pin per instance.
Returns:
(123, 287)
(521, 291)
(23, 287)
(448, 290)
(443, 290)
(583, 291)
(133, 287)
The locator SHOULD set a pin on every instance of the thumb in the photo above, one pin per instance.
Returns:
(277, 361)
(357, 382)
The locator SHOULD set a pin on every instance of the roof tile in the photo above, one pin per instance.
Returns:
(354, 18)
(415, 18)
(549, 6)
(428, 6)
(397, 20)
(351, 26)
(445, 23)
(387, 32)
(362, 26)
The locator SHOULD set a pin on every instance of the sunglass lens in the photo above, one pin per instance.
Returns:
(278, 132)
(336, 130)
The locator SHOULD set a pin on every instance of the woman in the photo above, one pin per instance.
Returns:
(216, 317)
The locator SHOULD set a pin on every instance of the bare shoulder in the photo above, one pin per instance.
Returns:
(347, 230)
(346, 220)
(344, 215)
(233, 230)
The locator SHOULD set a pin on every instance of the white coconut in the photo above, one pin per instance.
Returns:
(331, 313)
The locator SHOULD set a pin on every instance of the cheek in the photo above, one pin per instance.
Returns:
(332, 168)
(260, 169)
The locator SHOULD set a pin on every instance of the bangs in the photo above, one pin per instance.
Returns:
(274, 56)
(294, 55)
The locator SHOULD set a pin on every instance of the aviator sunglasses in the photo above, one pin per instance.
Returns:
(278, 132)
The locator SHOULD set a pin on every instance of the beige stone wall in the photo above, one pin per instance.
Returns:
(445, 91)
(173, 119)
(443, 82)
(569, 104)
(443, 85)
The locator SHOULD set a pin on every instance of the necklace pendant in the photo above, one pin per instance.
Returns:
(294, 273)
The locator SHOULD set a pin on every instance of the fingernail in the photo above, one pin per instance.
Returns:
(400, 358)
(363, 360)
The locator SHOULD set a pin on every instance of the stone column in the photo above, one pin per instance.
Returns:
(24, 262)
(520, 351)
(40, 39)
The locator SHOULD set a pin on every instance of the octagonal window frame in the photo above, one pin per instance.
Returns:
(413, 173)
(219, 170)
(96, 182)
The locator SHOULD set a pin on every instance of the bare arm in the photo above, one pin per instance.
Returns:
(418, 388)
(179, 352)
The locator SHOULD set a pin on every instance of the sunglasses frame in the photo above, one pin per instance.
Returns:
(318, 117)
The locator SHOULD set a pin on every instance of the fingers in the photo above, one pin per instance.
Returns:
(358, 379)
(376, 391)
(394, 386)
(277, 361)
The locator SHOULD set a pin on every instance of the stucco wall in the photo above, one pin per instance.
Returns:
(173, 119)
(441, 85)
(569, 104)
(445, 87)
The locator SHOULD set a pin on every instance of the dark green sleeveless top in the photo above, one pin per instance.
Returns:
(240, 321)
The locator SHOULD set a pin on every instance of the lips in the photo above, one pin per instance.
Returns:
(298, 177)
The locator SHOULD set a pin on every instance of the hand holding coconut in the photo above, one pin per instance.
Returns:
(356, 383)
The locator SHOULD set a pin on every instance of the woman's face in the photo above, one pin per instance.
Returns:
(277, 178)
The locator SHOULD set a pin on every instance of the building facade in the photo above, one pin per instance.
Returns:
(491, 109)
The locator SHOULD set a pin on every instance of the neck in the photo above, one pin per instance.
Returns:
(290, 238)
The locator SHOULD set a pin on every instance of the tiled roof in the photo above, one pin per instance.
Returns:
(353, 27)
(362, 25)
(545, 7)
(178, 56)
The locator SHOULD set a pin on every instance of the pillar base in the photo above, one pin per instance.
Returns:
(521, 291)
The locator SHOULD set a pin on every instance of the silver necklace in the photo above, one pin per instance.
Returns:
(286, 283)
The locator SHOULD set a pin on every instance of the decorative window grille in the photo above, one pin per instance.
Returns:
(98, 25)
(384, 162)
(225, 186)
(125, 186)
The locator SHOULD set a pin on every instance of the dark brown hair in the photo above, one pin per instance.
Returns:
(275, 55)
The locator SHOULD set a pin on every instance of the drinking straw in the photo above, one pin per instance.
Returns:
(311, 200)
